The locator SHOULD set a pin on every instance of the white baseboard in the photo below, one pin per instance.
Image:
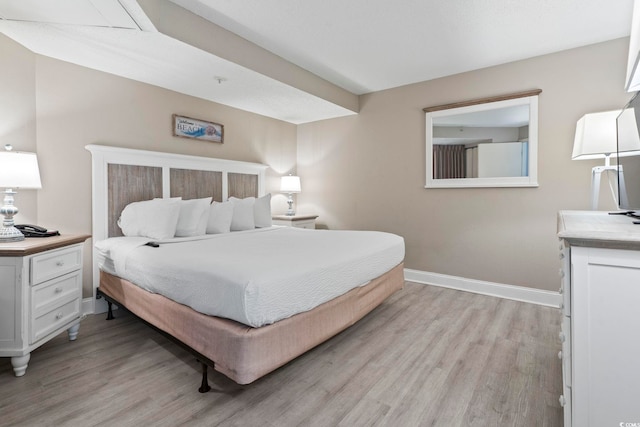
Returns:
(518, 293)
(100, 306)
(87, 306)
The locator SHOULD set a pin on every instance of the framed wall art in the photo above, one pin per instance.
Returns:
(188, 127)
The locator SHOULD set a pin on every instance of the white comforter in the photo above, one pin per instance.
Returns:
(255, 277)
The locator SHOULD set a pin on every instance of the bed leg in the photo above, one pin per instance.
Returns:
(110, 311)
(204, 387)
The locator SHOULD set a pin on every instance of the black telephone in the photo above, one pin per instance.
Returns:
(35, 231)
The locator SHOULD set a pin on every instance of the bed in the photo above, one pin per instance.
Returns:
(248, 338)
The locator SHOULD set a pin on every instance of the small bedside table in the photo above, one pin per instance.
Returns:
(41, 289)
(298, 221)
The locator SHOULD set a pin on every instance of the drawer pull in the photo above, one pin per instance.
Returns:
(57, 290)
(60, 263)
(59, 316)
(562, 400)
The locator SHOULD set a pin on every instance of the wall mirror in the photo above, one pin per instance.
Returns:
(489, 142)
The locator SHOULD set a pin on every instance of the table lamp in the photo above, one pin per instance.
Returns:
(17, 170)
(596, 138)
(290, 184)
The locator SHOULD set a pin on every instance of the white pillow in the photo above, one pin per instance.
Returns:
(156, 219)
(262, 211)
(242, 214)
(193, 218)
(220, 215)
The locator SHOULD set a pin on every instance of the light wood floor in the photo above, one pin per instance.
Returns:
(427, 357)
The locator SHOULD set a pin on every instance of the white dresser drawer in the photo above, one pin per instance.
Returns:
(44, 324)
(55, 291)
(565, 332)
(565, 274)
(55, 263)
(565, 402)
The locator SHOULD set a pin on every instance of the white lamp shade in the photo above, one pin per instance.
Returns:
(596, 136)
(290, 184)
(19, 170)
(628, 138)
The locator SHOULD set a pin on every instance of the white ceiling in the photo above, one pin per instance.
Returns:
(371, 45)
(359, 45)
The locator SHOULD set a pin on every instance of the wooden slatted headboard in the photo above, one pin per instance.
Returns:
(123, 175)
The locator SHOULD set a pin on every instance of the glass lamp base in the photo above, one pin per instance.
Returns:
(290, 211)
(10, 234)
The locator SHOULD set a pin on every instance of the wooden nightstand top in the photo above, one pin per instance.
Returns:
(33, 245)
(294, 217)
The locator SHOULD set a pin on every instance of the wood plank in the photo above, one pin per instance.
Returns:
(243, 185)
(126, 184)
(195, 184)
(34, 245)
(533, 92)
(427, 356)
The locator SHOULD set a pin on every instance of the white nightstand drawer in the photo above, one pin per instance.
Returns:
(297, 221)
(55, 291)
(41, 295)
(57, 317)
(310, 224)
(55, 263)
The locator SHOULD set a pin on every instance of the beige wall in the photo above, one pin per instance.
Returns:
(368, 171)
(75, 106)
(359, 172)
(18, 114)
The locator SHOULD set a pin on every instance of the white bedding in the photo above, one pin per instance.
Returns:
(255, 277)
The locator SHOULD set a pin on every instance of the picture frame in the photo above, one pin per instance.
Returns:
(188, 127)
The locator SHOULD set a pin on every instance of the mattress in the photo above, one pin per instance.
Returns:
(255, 277)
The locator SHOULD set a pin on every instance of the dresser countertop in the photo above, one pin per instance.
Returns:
(599, 229)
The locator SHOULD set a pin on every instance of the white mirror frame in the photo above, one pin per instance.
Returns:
(525, 98)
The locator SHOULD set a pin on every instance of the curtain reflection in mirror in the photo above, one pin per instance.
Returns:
(449, 161)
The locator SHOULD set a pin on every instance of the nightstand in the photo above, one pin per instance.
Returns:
(40, 294)
(298, 221)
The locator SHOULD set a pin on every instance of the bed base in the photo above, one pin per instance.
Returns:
(241, 352)
(204, 361)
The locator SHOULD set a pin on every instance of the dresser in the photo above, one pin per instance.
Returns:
(40, 294)
(298, 221)
(600, 332)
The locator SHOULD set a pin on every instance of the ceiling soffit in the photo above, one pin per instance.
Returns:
(125, 42)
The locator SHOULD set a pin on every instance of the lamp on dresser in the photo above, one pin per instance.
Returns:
(596, 138)
(17, 170)
(290, 184)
